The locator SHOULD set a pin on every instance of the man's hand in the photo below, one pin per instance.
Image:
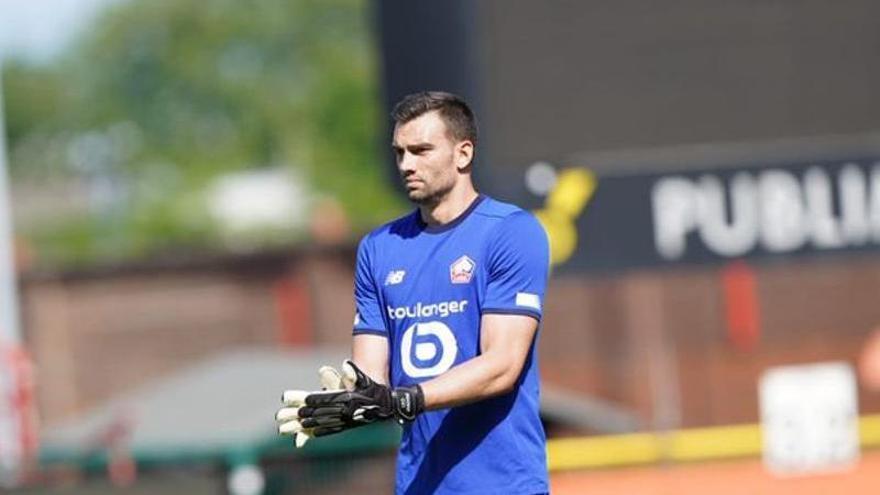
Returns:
(362, 401)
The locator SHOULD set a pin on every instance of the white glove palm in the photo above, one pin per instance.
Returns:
(288, 417)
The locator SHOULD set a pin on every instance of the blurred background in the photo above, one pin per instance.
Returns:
(183, 184)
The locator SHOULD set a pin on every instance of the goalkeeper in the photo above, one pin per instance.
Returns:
(449, 300)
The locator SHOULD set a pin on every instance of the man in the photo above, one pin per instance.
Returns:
(448, 306)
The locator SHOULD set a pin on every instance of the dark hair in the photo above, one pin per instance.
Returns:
(455, 112)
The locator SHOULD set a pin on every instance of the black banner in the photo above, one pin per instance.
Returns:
(712, 216)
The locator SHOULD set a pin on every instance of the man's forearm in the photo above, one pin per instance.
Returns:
(370, 352)
(479, 378)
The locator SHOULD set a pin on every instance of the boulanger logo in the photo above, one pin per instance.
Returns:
(419, 310)
(428, 349)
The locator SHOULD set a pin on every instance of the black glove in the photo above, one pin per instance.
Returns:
(364, 401)
(360, 403)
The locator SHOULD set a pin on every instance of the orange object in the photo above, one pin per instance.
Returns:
(718, 478)
(741, 306)
(294, 315)
(869, 362)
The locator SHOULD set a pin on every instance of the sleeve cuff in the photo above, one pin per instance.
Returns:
(369, 331)
(512, 311)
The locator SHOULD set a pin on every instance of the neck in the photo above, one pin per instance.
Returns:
(450, 207)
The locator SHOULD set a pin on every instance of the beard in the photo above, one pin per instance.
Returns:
(430, 193)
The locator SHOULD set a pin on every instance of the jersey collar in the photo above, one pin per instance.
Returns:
(436, 229)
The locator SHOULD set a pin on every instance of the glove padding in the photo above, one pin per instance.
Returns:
(361, 402)
(288, 417)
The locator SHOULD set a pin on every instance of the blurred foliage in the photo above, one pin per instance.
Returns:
(161, 97)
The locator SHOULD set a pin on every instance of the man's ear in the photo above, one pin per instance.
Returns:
(464, 154)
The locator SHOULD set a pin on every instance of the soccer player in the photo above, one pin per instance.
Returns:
(448, 302)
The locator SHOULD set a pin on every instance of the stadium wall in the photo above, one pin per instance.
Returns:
(656, 343)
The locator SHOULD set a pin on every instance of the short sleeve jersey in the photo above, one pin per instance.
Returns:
(425, 289)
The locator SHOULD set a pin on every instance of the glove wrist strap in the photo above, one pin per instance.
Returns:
(407, 402)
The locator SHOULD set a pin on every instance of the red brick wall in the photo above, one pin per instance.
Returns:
(95, 335)
(654, 342)
(602, 335)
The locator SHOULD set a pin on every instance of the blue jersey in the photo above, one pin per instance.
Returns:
(425, 289)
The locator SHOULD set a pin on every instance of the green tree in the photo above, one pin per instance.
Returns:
(161, 97)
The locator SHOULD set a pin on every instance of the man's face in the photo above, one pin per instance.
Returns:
(428, 158)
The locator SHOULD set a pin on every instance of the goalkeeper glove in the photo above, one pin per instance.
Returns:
(367, 401)
(362, 402)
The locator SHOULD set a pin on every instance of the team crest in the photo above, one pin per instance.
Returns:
(462, 270)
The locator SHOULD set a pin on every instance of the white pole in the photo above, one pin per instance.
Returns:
(11, 452)
(9, 322)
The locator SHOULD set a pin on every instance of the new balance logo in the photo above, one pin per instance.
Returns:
(395, 277)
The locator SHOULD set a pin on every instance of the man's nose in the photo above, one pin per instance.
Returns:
(406, 162)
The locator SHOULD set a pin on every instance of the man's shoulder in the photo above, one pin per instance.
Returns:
(398, 226)
(513, 229)
(506, 215)
(493, 208)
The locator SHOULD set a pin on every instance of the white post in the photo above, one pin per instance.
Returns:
(11, 446)
(9, 317)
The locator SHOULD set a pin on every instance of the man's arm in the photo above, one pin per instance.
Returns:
(505, 342)
(370, 353)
